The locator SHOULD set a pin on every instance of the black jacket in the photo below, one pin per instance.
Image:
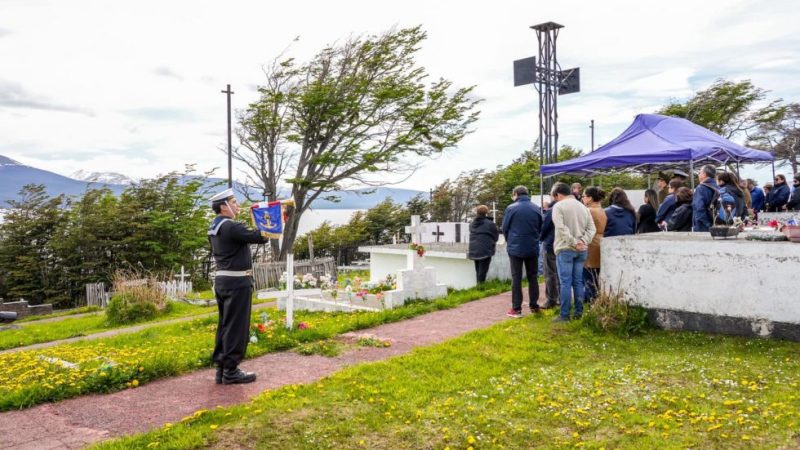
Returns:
(794, 200)
(483, 236)
(681, 219)
(647, 219)
(548, 234)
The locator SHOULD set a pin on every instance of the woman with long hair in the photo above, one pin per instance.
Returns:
(647, 213)
(592, 198)
(621, 215)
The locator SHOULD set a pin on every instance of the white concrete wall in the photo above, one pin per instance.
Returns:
(452, 269)
(693, 273)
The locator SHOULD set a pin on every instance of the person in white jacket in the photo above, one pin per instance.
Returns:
(574, 231)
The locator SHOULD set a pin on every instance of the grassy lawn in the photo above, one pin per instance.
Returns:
(34, 333)
(527, 384)
(128, 360)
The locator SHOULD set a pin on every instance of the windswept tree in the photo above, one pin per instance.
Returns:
(355, 114)
(780, 135)
(727, 108)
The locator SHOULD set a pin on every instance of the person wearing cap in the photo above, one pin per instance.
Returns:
(662, 185)
(233, 287)
(680, 175)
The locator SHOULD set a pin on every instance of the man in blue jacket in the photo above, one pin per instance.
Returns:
(522, 224)
(667, 207)
(756, 196)
(705, 194)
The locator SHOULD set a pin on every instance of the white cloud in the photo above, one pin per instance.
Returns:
(153, 80)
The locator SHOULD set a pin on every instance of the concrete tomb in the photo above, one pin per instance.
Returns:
(690, 282)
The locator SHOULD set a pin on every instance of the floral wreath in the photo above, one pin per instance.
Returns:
(419, 248)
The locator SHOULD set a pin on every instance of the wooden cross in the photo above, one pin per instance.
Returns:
(415, 230)
(437, 233)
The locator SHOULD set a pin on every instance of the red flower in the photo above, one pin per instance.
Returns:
(303, 326)
(261, 328)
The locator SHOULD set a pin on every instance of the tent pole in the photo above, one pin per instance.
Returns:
(691, 172)
(773, 168)
(541, 188)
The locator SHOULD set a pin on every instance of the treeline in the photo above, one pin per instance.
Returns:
(450, 201)
(51, 247)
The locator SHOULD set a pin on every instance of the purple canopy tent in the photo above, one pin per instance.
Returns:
(654, 142)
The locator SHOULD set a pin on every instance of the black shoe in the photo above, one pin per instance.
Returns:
(219, 375)
(536, 310)
(236, 376)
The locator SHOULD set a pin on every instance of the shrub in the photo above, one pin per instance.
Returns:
(611, 313)
(136, 299)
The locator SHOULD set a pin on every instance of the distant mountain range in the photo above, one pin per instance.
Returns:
(13, 176)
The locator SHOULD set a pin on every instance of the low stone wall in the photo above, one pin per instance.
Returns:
(689, 281)
(23, 309)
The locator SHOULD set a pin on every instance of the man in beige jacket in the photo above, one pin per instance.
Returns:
(574, 231)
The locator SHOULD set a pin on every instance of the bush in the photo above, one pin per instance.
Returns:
(201, 284)
(136, 299)
(611, 313)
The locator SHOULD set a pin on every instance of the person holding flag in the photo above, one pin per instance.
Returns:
(233, 286)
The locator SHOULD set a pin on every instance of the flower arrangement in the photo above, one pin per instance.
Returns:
(419, 248)
(309, 281)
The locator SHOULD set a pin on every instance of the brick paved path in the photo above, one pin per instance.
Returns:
(80, 421)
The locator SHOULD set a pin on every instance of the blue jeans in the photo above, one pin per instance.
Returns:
(570, 275)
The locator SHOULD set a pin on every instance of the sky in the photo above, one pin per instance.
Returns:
(134, 87)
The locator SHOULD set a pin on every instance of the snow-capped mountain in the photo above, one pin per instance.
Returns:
(6, 161)
(101, 177)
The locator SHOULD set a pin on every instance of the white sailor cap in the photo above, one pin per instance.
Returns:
(222, 196)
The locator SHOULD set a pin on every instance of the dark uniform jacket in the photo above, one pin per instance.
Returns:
(230, 245)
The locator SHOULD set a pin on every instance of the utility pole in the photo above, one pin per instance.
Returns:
(228, 92)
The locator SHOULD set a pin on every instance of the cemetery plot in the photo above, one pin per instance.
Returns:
(128, 360)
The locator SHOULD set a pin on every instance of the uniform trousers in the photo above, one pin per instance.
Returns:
(234, 301)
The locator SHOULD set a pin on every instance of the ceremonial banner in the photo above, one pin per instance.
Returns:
(268, 217)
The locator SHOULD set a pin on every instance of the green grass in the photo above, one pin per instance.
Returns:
(119, 362)
(526, 384)
(35, 333)
(64, 313)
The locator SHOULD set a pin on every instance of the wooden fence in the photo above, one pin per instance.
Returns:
(267, 275)
(96, 294)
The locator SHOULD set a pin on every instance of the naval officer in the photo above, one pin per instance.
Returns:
(233, 287)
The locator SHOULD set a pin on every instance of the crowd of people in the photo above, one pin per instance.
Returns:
(568, 231)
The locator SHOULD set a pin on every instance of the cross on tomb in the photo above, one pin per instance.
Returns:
(437, 233)
(415, 230)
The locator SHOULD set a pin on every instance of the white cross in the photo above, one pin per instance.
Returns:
(415, 230)
(494, 213)
(182, 276)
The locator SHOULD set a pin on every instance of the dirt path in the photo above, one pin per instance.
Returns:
(77, 422)
(126, 330)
